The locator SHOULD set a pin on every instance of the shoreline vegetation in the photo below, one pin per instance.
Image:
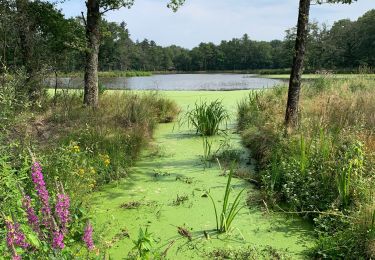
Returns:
(267, 73)
(323, 171)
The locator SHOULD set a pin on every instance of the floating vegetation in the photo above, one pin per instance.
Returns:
(131, 205)
(188, 180)
(248, 253)
(180, 199)
(183, 231)
(124, 233)
(160, 174)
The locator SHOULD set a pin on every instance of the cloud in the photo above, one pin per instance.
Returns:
(215, 20)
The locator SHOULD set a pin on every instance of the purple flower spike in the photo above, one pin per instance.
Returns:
(15, 237)
(87, 237)
(62, 210)
(31, 216)
(58, 240)
(40, 186)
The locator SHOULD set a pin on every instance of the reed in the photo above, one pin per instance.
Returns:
(207, 117)
(229, 211)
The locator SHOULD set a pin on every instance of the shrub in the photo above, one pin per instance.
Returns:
(207, 118)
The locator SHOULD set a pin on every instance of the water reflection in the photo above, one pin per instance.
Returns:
(177, 82)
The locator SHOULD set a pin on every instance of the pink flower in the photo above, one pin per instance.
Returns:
(58, 240)
(15, 237)
(87, 237)
(62, 210)
(40, 186)
(31, 216)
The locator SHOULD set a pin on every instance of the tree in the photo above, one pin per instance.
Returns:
(95, 10)
(291, 114)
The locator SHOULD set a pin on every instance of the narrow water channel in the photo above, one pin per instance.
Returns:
(176, 169)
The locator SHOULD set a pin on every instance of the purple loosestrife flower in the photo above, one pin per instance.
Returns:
(58, 240)
(15, 237)
(31, 216)
(40, 186)
(62, 210)
(87, 237)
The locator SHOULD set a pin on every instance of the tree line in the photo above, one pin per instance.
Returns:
(58, 43)
(35, 36)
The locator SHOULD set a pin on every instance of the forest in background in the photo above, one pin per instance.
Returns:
(55, 43)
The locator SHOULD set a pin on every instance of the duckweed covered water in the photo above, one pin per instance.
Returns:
(165, 191)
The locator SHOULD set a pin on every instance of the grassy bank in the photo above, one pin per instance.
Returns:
(79, 149)
(318, 76)
(325, 169)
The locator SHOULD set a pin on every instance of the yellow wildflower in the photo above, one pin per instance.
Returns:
(107, 162)
(106, 159)
(81, 172)
(92, 170)
(75, 149)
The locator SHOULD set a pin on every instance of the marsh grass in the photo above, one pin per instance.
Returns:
(229, 211)
(207, 117)
(86, 148)
(326, 165)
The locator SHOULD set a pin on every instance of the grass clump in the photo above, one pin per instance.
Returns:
(207, 117)
(229, 211)
(324, 169)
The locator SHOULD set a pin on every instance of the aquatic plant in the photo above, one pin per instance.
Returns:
(207, 146)
(180, 199)
(207, 117)
(144, 243)
(228, 211)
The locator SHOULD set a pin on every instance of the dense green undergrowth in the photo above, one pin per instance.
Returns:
(324, 169)
(78, 147)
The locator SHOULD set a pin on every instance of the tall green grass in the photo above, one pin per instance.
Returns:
(324, 169)
(208, 117)
(229, 210)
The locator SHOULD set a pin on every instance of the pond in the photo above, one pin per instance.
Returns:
(177, 82)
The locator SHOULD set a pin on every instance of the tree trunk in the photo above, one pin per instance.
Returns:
(26, 32)
(291, 115)
(92, 53)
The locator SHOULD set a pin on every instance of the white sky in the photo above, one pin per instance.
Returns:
(215, 20)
